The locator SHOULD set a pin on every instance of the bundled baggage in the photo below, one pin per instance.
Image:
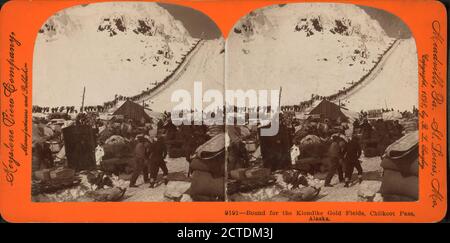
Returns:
(43, 175)
(303, 194)
(211, 148)
(176, 189)
(208, 166)
(396, 184)
(62, 173)
(210, 156)
(242, 174)
(113, 194)
(410, 125)
(204, 184)
(310, 139)
(279, 198)
(117, 165)
(244, 180)
(401, 167)
(116, 151)
(238, 174)
(257, 173)
(115, 139)
(104, 135)
(406, 169)
(198, 164)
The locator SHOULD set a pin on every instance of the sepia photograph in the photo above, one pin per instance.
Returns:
(224, 112)
(148, 102)
(347, 77)
(104, 76)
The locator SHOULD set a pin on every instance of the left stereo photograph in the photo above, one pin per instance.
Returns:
(107, 78)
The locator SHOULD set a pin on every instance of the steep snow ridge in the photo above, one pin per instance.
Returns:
(127, 48)
(312, 18)
(305, 48)
(396, 84)
(114, 17)
(205, 65)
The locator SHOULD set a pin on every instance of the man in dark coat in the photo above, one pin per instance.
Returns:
(42, 156)
(158, 153)
(140, 165)
(335, 155)
(275, 150)
(356, 124)
(366, 129)
(187, 133)
(352, 153)
(237, 154)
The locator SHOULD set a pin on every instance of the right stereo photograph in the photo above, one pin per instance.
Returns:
(347, 83)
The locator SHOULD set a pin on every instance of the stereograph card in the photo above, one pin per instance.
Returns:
(223, 111)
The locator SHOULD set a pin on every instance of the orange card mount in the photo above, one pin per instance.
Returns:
(34, 73)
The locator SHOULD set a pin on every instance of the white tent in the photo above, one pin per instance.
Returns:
(392, 115)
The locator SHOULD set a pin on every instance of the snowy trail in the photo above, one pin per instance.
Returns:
(393, 83)
(177, 74)
(204, 64)
(373, 74)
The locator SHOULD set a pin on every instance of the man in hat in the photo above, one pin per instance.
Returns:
(140, 165)
(352, 153)
(158, 153)
(335, 155)
(366, 129)
(275, 150)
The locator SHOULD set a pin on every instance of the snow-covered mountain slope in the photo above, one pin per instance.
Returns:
(205, 65)
(306, 48)
(111, 48)
(394, 83)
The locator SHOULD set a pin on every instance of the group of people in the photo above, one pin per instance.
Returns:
(67, 109)
(149, 157)
(343, 160)
(340, 155)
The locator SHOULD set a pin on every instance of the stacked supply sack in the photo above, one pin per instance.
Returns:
(311, 151)
(208, 166)
(116, 147)
(401, 168)
(410, 125)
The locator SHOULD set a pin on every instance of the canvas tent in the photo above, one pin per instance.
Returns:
(392, 115)
(154, 114)
(351, 115)
(328, 110)
(133, 111)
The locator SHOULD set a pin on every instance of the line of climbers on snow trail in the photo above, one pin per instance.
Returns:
(110, 104)
(308, 103)
(148, 91)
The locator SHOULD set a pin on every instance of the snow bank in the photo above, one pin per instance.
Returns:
(111, 48)
(305, 48)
